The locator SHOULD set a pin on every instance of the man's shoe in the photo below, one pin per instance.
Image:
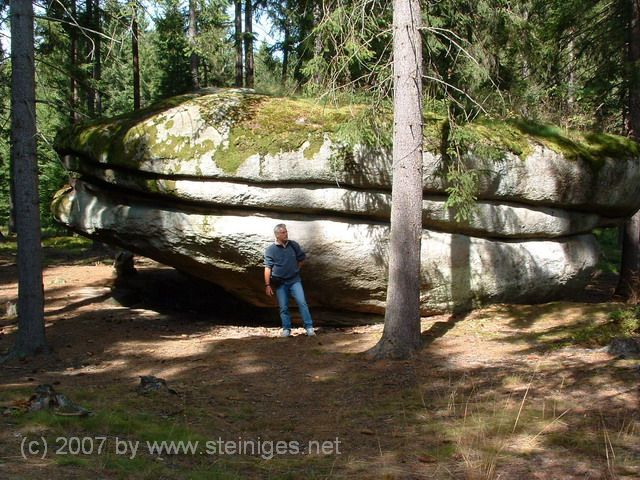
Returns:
(285, 333)
(310, 332)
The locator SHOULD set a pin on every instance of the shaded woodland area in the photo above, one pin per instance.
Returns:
(493, 393)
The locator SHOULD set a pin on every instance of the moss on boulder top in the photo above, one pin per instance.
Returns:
(216, 130)
(493, 139)
(239, 135)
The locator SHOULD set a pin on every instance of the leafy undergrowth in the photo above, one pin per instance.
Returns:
(504, 392)
(591, 331)
(60, 249)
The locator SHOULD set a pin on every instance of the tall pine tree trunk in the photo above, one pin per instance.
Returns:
(248, 43)
(73, 64)
(317, 41)
(238, 42)
(192, 34)
(31, 335)
(136, 57)
(630, 266)
(205, 73)
(97, 61)
(401, 335)
(571, 77)
(285, 55)
(633, 69)
(91, 93)
(629, 283)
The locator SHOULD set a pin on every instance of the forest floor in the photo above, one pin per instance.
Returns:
(508, 391)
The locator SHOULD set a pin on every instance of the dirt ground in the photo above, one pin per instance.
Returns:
(499, 393)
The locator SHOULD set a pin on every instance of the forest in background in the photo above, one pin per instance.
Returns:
(569, 62)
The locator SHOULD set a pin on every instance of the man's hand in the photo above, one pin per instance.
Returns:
(269, 290)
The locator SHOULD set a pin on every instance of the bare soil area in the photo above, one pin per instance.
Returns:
(502, 392)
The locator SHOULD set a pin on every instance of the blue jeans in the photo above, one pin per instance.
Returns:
(296, 290)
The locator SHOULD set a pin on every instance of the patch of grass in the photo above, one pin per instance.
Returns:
(15, 394)
(114, 422)
(586, 442)
(442, 452)
(71, 461)
(611, 251)
(490, 430)
(71, 243)
(9, 246)
(67, 242)
(597, 327)
(622, 324)
(243, 413)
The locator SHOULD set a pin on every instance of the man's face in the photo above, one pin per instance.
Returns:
(282, 235)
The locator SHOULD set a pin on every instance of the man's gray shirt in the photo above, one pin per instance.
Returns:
(283, 261)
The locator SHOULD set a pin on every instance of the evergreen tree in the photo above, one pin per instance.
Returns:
(174, 60)
(194, 59)
(214, 45)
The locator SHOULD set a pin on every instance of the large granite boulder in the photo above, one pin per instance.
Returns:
(199, 182)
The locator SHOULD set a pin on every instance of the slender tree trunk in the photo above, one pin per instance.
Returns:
(136, 57)
(12, 202)
(629, 283)
(136, 82)
(317, 41)
(248, 43)
(91, 93)
(97, 64)
(525, 68)
(73, 60)
(401, 335)
(571, 80)
(238, 41)
(285, 55)
(31, 335)
(633, 69)
(192, 35)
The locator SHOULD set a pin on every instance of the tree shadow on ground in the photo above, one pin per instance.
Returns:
(402, 419)
(439, 328)
(448, 412)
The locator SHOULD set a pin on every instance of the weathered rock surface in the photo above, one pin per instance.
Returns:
(347, 261)
(490, 218)
(200, 182)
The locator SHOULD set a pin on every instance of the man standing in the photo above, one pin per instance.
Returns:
(282, 262)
